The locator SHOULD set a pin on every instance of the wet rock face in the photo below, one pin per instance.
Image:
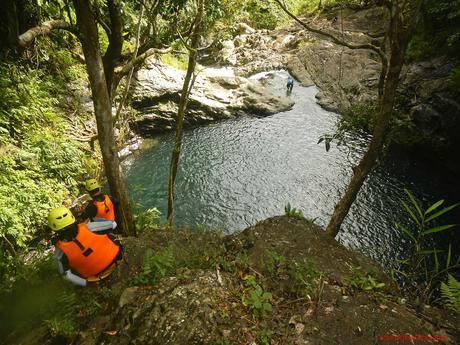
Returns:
(432, 110)
(217, 94)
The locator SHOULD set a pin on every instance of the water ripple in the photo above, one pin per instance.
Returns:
(237, 172)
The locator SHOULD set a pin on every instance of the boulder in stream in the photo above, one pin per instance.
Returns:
(216, 94)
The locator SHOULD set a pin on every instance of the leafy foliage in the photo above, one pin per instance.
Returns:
(292, 211)
(450, 293)
(364, 281)
(427, 265)
(439, 31)
(39, 166)
(156, 266)
(40, 297)
(304, 276)
(25, 101)
(63, 320)
(359, 116)
(147, 219)
(255, 298)
(275, 262)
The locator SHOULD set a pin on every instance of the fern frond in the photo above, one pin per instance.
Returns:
(451, 294)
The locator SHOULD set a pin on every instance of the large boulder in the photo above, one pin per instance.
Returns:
(216, 94)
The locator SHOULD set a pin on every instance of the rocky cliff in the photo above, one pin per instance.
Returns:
(427, 115)
(281, 281)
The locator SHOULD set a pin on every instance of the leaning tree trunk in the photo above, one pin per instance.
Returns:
(399, 35)
(103, 111)
(180, 113)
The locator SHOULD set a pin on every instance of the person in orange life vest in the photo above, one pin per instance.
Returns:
(84, 253)
(102, 207)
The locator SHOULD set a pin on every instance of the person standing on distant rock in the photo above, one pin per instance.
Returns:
(290, 84)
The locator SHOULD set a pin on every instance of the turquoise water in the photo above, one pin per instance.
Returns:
(236, 172)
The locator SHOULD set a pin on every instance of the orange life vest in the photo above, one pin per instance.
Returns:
(105, 208)
(89, 254)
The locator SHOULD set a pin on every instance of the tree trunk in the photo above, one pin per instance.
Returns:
(375, 147)
(113, 53)
(103, 111)
(399, 35)
(180, 113)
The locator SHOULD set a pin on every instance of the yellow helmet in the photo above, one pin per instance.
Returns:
(59, 218)
(92, 184)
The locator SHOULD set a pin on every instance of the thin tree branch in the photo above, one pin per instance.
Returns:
(9, 246)
(128, 82)
(121, 71)
(44, 29)
(101, 22)
(186, 88)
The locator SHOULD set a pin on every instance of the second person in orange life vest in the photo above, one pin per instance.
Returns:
(101, 207)
(84, 253)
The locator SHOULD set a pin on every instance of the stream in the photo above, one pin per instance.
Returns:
(237, 172)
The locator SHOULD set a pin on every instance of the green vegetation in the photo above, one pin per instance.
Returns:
(364, 281)
(359, 116)
(39, 298)
(426, 265)
(255, 298)
(40, 165)
(265, 336)
(292, 211)
(155, 267)
(304, 276)
(147, 219)
(275, 263)
(451, 294)
(438, 31)
(175, 60)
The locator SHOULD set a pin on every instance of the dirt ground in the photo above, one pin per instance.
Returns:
(309, 278)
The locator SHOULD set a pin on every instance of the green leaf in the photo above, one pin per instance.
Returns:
(428, 252)
(266, 295)
(415, 203)
(437, 229)
(434, 206)
(411, 213)
(449, 256)
(439, 213)
(268, 307)
(257, 304)
(407, 233)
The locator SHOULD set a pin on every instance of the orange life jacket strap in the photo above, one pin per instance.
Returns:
(105, 273)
